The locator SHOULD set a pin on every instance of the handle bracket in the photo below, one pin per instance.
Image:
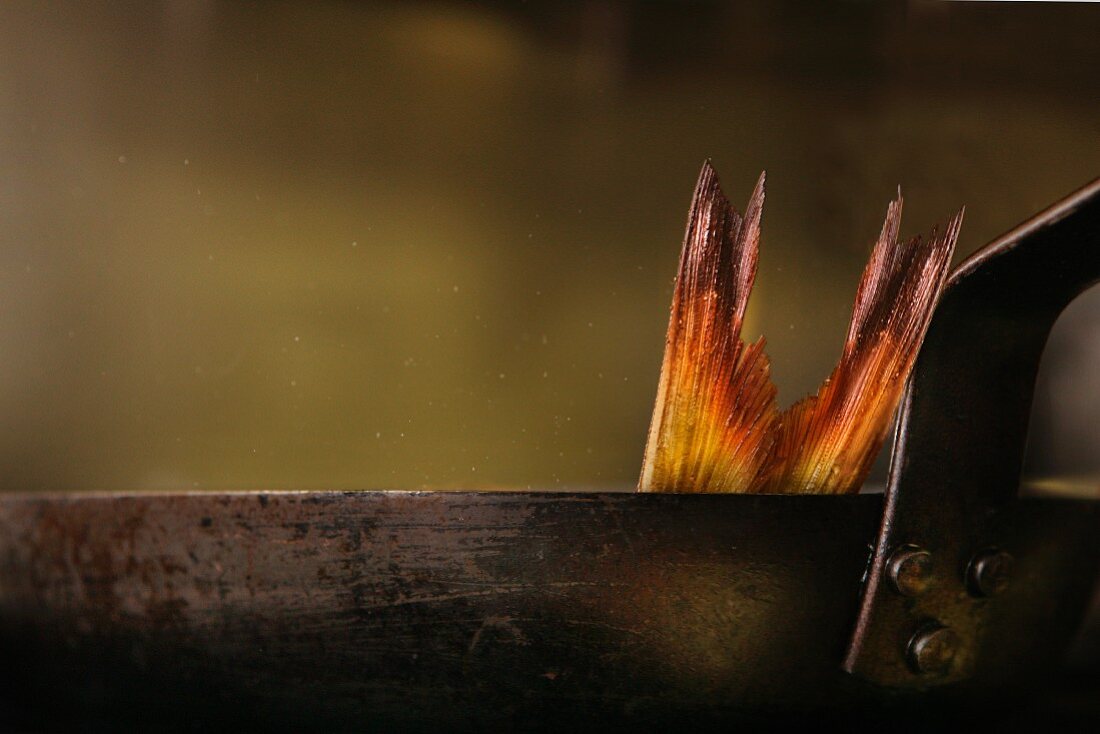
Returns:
(955, 470)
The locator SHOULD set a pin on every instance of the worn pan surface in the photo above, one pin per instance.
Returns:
(430, 610)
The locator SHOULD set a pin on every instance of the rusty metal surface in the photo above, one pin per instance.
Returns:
(337, 610)
(426, 611)
(955, 473)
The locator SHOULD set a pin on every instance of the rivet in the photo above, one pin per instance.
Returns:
(933, 648)
(910, 570)
(990, 572)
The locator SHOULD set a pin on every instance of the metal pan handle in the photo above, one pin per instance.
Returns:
(958, 454)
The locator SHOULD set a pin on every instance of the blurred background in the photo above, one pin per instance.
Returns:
(404, 245)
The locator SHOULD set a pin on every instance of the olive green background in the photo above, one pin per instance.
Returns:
(402, 245)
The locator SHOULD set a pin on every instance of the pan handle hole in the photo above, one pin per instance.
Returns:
(1063, 445)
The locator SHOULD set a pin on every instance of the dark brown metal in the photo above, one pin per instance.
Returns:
(990, 572)
(955, 472)
(440, 611)
(910, 570)
(429, 610)
(933, 648)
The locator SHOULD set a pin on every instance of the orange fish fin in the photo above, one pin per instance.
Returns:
(715, 400)
(826, 444)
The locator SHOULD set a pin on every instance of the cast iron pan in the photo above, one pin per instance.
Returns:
(431, 611)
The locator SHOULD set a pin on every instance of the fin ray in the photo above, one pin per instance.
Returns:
(715, 401)
(827, 443)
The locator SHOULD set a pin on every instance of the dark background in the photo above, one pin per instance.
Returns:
(343, 245)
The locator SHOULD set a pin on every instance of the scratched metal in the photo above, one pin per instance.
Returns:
(419, 610)
(457, 611)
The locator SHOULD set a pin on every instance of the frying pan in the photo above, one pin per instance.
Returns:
(538, 610)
